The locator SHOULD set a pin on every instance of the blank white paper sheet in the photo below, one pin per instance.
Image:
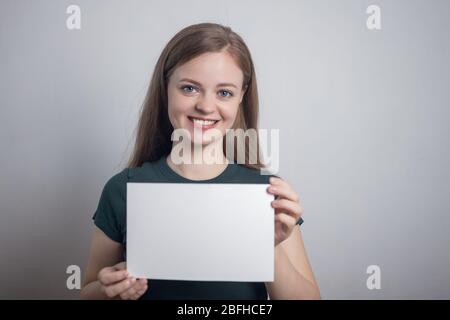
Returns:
(200, 232)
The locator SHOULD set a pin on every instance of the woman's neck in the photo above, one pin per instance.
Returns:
(203, 164)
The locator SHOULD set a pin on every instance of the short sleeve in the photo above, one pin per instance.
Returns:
(110, 215)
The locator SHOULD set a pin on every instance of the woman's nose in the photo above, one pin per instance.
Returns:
(206, 104)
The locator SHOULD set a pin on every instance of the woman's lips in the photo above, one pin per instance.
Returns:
(203, 123)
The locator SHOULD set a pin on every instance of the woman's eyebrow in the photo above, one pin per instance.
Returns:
(219, 85)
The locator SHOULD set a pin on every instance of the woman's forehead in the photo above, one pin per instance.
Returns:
(210, 68)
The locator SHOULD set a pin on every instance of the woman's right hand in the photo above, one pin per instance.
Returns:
(116, 282)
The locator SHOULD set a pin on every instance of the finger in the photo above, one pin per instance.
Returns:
(276, 181)
(142, 282)
(286, 219)
(118, 288)
(137, 287)
(143, 290)
(279, 183)
(129, 293)
(284, 192)
(136, 296)
(108, 276)
(139, 284)
(140, 288)
(287, 206)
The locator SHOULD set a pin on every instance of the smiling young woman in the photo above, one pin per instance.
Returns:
(203, 80)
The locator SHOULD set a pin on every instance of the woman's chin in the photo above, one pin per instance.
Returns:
(205, 137)
(204, 142)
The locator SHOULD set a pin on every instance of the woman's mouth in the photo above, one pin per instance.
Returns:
(203, 124)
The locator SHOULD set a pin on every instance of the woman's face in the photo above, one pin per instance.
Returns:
(204, 94)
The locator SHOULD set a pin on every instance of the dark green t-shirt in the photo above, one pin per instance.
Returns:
(110, 217)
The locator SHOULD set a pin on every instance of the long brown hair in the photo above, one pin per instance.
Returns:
(153, 137)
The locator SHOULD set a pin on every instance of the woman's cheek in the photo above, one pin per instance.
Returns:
(229, 114)
(179, 109)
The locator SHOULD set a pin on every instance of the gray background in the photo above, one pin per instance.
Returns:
(362, 117)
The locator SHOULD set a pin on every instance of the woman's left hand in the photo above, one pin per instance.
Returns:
(287, 208)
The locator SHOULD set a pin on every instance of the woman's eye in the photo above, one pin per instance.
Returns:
(188, 89)
(225, 93)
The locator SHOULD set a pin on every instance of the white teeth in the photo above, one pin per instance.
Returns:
(203, 122)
